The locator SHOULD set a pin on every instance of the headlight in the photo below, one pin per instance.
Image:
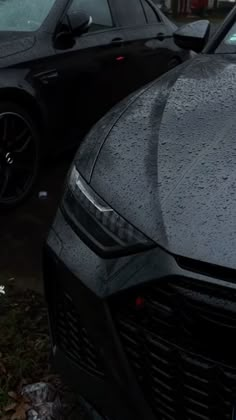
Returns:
(97, 223)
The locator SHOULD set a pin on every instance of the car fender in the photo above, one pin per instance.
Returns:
(16, 86)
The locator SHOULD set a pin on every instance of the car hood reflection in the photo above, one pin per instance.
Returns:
(169, 163)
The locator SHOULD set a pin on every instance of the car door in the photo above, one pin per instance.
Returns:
(148, 46)
(91, 71)
(163, 54)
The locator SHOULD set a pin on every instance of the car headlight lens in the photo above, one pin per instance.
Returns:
(97, 223)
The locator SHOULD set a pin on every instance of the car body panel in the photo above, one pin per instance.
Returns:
(90, 148)
(111, 276)
(176, 145)
(76, 85)
(92, 72)
(161, 321)
(93, 284)
(14, 43)
(147, 56)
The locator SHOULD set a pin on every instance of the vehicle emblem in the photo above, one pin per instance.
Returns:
(9, 159)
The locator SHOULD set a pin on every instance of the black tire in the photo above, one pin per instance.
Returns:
(19, 154)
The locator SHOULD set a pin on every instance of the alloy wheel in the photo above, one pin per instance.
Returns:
(18, 157)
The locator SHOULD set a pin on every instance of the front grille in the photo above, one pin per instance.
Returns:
(179, 338)
(70, 334)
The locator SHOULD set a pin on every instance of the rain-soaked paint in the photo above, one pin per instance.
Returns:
(169, 163)
(15, 44)
(165, 160)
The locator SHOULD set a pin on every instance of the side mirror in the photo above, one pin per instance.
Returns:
(193, 36)
(79, 22)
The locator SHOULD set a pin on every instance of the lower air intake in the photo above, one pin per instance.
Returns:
(71, 335)
(179, 338)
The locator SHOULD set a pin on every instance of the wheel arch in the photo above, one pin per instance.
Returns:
(22, 98)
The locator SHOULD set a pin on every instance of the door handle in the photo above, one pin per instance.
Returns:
(160, 36)
(117, 41)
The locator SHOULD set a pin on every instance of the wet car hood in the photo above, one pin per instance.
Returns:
(169, 163)
(15, 42)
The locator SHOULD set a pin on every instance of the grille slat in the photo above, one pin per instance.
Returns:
(71, 336)
(181, 347)
(164, 404)
(161, 385)
(195, 415)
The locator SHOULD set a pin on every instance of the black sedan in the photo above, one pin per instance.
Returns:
(63, 64)
(140, 263)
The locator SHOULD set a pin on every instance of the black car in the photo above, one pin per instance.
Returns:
(63, 64)
(140, 263)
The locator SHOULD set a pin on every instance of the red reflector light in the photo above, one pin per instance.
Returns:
(120, 58)
(139, 303)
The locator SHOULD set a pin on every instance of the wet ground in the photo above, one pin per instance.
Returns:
(24, 229)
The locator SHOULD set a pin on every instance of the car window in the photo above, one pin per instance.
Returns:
(228, 45)
(99, 10)
(152, 17)
(23, 16)
(131, 13)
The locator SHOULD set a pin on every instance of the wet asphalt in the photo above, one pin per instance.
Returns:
(23, 230)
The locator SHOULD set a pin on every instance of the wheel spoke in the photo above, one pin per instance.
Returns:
(23, 146)
(4, 184)
(22, 134)
(8, 126)
(21, 167)
(18, 157)
(5, 128)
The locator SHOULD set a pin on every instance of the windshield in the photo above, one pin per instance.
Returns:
(228, 44)
(23, 15)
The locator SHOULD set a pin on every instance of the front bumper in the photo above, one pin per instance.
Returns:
(69, 267)
(175, 358)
